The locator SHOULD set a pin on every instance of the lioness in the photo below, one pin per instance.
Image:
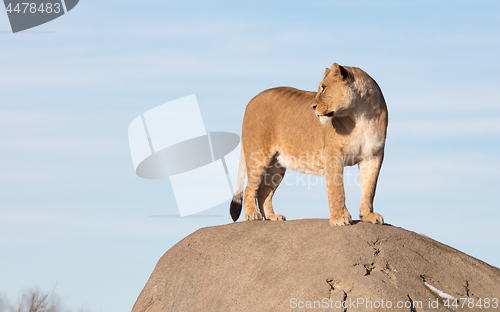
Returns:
(319, 133)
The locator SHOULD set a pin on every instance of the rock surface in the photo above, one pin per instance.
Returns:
(308, 265)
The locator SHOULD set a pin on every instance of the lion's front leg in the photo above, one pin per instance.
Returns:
(336, 196)
(369, 170)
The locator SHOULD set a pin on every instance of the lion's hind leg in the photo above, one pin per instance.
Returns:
(270, 181)
(256, 163)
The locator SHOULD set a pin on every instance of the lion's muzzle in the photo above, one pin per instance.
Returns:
(324, 114)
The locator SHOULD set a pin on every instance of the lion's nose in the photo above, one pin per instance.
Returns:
(314, 106)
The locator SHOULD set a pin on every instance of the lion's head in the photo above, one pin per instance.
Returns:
(335, 96)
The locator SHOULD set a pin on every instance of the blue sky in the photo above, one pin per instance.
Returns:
(75, 216)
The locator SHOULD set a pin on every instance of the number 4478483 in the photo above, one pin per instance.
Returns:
(485, 303)
(33, 8)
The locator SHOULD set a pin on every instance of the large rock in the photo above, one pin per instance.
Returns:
(283, 266)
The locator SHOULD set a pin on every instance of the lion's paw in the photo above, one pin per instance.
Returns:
(342, 219)
(373, 217)
(253, 216)
(276, 217)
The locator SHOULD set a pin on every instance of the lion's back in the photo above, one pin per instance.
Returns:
(281, 120)
(279, 108)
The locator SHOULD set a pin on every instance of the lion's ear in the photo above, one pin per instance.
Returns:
(327, 70)
(339, 71)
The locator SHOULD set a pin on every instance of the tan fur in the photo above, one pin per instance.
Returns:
(343, 124)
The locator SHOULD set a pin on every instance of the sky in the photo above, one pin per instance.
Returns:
(75, 217)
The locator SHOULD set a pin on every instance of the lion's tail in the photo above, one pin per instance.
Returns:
(237, 202)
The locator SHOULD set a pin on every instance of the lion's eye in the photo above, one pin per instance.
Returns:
(323, 88)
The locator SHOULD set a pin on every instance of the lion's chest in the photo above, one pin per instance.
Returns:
(364, 142)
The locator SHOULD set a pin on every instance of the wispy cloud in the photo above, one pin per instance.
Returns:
(440, 129)
(442, 176)
(33, 226)
(56, 132)
(50, 147)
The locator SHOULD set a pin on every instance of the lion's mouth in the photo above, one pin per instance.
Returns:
(329, 115)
